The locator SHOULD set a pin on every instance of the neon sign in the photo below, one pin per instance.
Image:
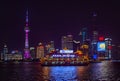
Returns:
(66, 51)
(101, 46)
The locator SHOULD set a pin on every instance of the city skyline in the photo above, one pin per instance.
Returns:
(49, 20)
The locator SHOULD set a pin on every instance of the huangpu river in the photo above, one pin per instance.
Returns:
(29, 71)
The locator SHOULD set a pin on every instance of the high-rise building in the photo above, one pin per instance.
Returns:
(94, 43)
(64, 42)
(108, 48)
(5, 51)
(83, 34)
(52, 44)
(94, 40)
(40, 51)
(67, 42)
(49, 48)
(95, 36)
(27, 30)
(32, 52)
(70, 42)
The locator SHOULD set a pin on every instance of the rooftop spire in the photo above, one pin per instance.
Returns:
(27, 18)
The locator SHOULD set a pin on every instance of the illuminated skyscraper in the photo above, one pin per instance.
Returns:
(52, 44)
(5, 50)
(40, 51)
(67, 42)
(32, 52)
(4, 53)
(108, 48)
(83, 33)
(70, 42)
(49, 47)
(94, 42)
(95, 36)
(64, 42)
(27, 30)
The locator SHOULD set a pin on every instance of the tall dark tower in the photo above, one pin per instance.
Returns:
(27, 30)
(94, 21)
(94, 37)
(83, 34)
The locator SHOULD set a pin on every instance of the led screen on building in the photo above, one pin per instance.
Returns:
(101, 46)
(66, 51)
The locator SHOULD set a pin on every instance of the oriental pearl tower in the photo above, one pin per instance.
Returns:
(27, 30)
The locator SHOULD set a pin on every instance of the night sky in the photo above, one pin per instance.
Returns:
(49, 20)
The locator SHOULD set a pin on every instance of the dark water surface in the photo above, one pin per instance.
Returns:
(105, 71)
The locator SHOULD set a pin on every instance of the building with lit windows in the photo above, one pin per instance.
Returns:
(95, 36)
(32, 52)
(67, 42)
(49, 47)
(13, 57)
(52, 44)
(4, 52)
(40, 51)
(108, 42)
(104, 47)
(84, 35)
(94, 43)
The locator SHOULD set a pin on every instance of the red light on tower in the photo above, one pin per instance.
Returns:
(109, 47)
(101, 38)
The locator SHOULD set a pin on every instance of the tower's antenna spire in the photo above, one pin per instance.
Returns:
(27, 18)
(94, 20)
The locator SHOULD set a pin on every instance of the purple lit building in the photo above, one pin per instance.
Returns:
(27, 30)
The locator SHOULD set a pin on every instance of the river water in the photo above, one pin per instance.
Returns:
(28, 71)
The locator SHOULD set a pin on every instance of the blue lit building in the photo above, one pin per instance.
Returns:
(84, 35)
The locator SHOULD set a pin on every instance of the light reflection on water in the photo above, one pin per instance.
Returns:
(63, 73)
(93, 72)
(105, 71)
